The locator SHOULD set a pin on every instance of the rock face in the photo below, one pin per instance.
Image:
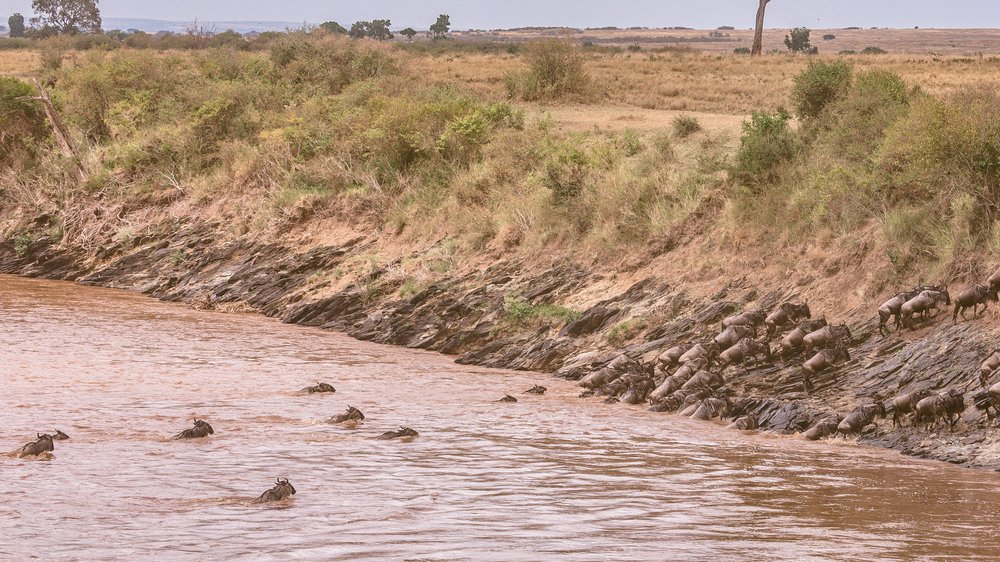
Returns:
(464, 315)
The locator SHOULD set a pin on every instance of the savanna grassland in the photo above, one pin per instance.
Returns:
(876, 167)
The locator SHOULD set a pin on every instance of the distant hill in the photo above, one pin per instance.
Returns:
(152, 26)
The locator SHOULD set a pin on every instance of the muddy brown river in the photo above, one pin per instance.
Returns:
(550, 477)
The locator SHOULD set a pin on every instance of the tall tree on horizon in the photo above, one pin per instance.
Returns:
(758, 33)
(67, 16)
(16, 25)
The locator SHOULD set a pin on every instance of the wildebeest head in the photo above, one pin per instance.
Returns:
(203, 425)
(60, 436)
(947, 296)
(285, 486)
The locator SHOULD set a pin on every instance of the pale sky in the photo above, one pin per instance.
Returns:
(466, 14)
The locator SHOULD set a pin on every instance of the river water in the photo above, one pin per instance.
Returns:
(550, 477)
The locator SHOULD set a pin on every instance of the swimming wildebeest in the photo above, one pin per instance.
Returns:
(319, 387)
(537, 389)
(401, 432)
(352, 414)
(793, 340)
(732, 335)
(825, 358)
(59, 436)
(948, 405)
(753, 319)
(921, 304)
(786, 313)
(282, 490)
(743, 350)
(971, 298)
(822, 428)
(988, 366)
(745, 423)
(200, 429)
(42, 444)
(861, 417)
(906, 404)
(825, 336)
(507, 398)
(709, 350)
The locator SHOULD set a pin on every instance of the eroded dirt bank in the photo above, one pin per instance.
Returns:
(465, 313)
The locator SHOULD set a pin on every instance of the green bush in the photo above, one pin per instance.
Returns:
(555, 70)
(873, 51)
(857, 121)
(23, 126)
(818, 86)
(685, 126)
(566, 171)
(766, 144)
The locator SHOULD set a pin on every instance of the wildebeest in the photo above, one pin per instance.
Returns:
(921, 304)
(507, 398)
(200, 429)
(672, 356)
(59, 436)
(319, 387)
(352, 414)
(786, 313)
(948, 405)
(680, 376)
(824, 427)
(401, 432)
(905, 404)
(992, 400)
(742, 351)
(616, 368)
(825, 336)
(891, 308)
(282, 490)
(709, 350)
(42, 444)
(971, 298)
(994, 280)
(753, 319)
(793, 340)
(537, 389)
(638, 390)
(711, 408)
(861, 417)
(704, 379)
(825, 358)
(745, 423)
(988, 366)
(732, 335)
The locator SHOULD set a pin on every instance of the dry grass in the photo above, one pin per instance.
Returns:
(18, 63)
(727, 84)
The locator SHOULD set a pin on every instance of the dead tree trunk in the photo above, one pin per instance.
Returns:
(59, 130)
(758, 34)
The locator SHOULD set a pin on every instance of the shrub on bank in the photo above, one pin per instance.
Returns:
(555, 70)
(768, 142)
(24, 124)
(818, 86)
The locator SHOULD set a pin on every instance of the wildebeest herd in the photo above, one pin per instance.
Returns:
(690, 378)
(201, 429)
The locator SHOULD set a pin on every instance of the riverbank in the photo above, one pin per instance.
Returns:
(558, 316)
